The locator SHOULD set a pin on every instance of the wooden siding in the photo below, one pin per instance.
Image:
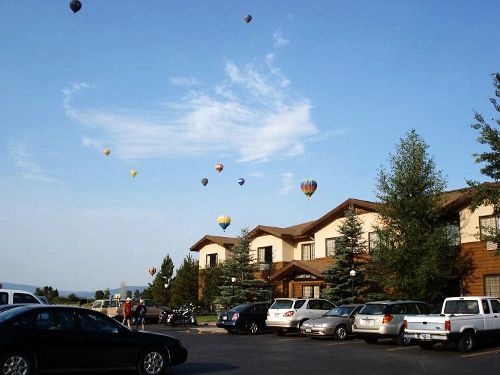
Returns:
(485, 262)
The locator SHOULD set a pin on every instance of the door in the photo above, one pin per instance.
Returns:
(491, 316)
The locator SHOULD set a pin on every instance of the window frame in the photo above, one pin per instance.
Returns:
(312, 251)
(208, 263)
(327, 250)
(371, 242)
(485, 217)
(267, 252)
(489, 294)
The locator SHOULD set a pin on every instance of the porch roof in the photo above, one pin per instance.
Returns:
(314, 267)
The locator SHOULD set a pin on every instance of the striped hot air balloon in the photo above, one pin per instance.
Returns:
(224, 222)
(308, 187)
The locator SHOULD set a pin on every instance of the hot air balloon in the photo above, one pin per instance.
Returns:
(204, 181)
(152, 271)
(107, 151)
(308, 187)
(219, 167)
(75, 5)
(224, 222)
(133, 173)
(247, 18)
(241, 181)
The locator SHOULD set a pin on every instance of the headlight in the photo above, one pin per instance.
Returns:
(306, 324)
(324, 325)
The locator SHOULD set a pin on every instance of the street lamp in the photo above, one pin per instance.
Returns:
(233, 280)
(167, 281)
(353, 275)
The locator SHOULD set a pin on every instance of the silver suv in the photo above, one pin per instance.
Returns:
(288, 314)
(384, 319)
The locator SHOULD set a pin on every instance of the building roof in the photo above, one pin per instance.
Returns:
(282, 232)
(218, 240)
(315, 267)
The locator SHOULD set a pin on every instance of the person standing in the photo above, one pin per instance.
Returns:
(127, 311)
(140, 312)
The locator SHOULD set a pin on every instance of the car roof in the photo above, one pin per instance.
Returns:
(389, 302)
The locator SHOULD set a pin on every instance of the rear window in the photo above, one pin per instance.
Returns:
(461, 307)
(282, 304)
(373, 309)
(4, 298)
(241, 308)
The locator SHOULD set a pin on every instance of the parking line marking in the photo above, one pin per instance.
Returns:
(401, 348)
(481, 353)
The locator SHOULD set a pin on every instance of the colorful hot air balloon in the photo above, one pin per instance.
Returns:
(152, 271)
(133, 173)
(219, 167)
(107, 151)
(247, 18)
(224, 222)
(75, 5)
(204, 181)
(241, 181)
(308, 187)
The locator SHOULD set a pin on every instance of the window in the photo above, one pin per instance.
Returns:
(54, 321)
(326, 305)
(489, 226)
(90, 322)
(308, 251)
(492, 285)
(265, 254)
(211, 260)
(453, 234)
(97, 305)
(24, 298)
(424, 309)
(4, 298)
(372, 241)
(330, 245)
(495, 306)
(311, 291)
(486, 307)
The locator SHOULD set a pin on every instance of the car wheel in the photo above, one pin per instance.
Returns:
(402, 340)
(466, 342)
(371, 340)
(340, 333)
(153, 362)
(426, 345)
(16, 363)
(252, 328)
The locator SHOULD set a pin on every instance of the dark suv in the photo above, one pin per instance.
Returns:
(248, 317)
(384, 319)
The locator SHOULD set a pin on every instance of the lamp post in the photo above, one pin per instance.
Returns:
(167, 281)
(233, 280)
(353, 275)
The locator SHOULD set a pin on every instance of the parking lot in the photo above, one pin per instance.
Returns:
(213, 351)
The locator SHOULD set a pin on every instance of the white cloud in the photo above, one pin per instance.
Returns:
(279, 40)
(23, 160)
(184, 81)
(287, 182)
(252, 114)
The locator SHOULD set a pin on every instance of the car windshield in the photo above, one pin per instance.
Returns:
(373, 309)
(12, 312)
(340, 311)
(282, 304)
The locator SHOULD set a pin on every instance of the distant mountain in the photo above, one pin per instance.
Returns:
(64, 293)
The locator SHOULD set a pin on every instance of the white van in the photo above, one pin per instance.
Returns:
(11, 296)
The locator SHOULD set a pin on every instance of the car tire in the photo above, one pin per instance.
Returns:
(466, 343)
(426, 345)
(153, 361)
(16, 363)
(401, 340)
(252, 328)
(371, 340)
(340, 333)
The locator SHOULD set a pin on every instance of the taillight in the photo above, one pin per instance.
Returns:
(405, 324)
(387, 318)
(268, 314)
(235, 316)
(447, 325)
(288, 314)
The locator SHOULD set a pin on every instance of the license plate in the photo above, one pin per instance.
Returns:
(276, 315)
(224, 317)
(367, 322)
(425, 336)
(308, 330)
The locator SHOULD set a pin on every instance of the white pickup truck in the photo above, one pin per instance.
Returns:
(463, 320)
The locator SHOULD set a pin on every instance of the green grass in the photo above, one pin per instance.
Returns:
(206, 318)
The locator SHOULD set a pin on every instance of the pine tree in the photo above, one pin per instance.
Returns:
(241, 268)
(156, 290)
(184, 288)
(412, 254)
(489, 194)
(137, 294)
(343, 288)
(211, 279)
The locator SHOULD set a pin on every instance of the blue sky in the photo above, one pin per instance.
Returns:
(321, 89)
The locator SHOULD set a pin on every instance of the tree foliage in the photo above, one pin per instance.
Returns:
(489, 135)
(156, 290)
(49, 292)
(211, 279)
(184, 288)
(412, 256)
(240, 267)
(343, 288)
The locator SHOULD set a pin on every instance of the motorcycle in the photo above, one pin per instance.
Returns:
(182, 316)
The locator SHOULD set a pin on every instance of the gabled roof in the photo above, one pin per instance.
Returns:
(460, 198)
(314, 267)
(339, 211)
(285, 233)
(219, 240)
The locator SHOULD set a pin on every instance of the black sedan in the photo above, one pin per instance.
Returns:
(41, 337)
(248, 317)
